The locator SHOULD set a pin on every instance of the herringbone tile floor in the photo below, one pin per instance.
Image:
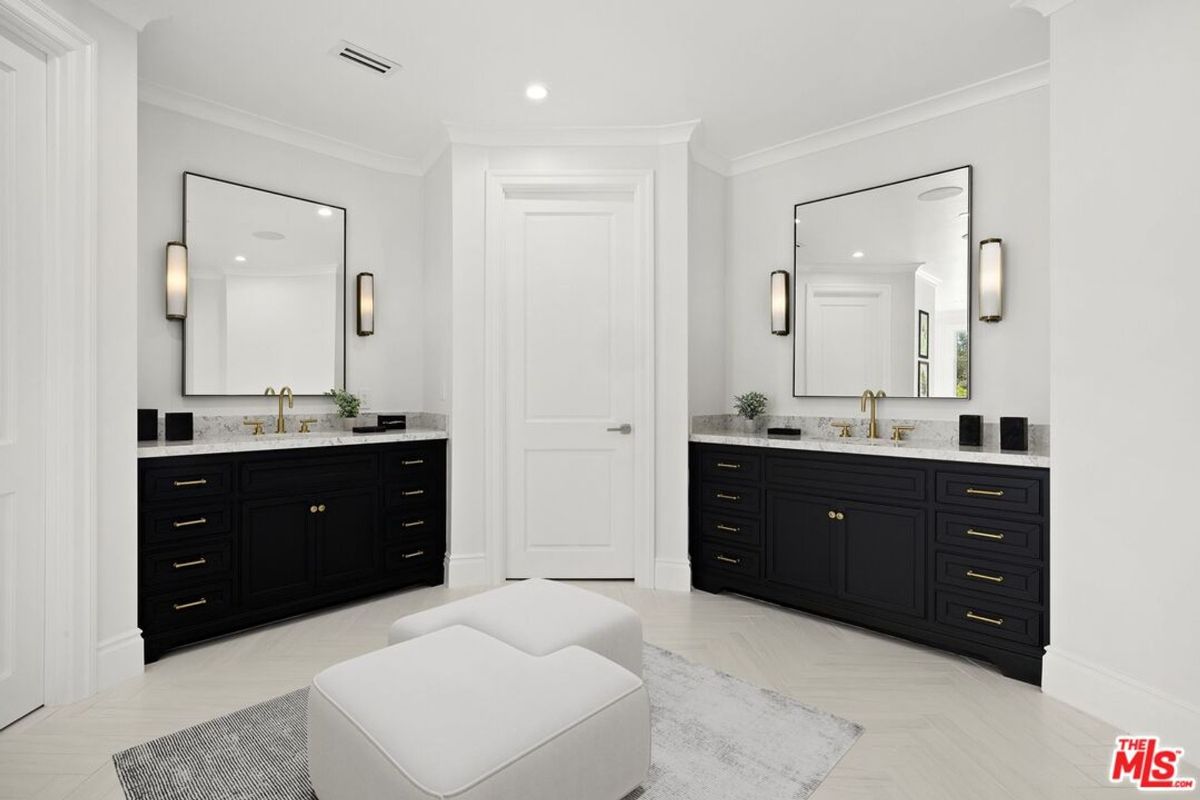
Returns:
(937, 726)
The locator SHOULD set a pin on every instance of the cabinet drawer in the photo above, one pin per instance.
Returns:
(202, 562)
(409, 527)
(422, 463)
(184, 608)
(986, 617)
(730, 530)
(1001, 537)
(299, 473)
(730, 497)
(1019, 582)
(419, 494)
(994, 492)
(841, 477)
(730, 464)
(163, 526)
(185, 483)
(730, 559)
(419, 554)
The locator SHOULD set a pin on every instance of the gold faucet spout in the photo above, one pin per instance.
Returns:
(281, 421)
(872, 398)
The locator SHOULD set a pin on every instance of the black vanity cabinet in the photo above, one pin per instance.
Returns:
(944, 553)
(229, 541)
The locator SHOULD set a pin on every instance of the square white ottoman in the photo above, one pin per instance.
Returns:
(459, 714)
(539, 617)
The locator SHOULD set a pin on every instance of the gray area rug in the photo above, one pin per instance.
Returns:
(714, 738)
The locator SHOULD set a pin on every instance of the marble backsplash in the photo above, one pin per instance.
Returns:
(939, 432)
(226, 426)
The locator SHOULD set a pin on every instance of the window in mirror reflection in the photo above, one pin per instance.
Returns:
(882, 290)
(267, 289)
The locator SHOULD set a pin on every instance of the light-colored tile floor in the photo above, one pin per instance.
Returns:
(937, 726)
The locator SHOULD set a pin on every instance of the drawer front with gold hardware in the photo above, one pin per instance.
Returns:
(731, 530)
(172, 483)
(171, 524)
(731, 497)
(298, 473)
(401, 528)
(420, 494)
(723, 465)
(422, 554)
(417, 463)
(984, 616)
(185, 607)
(731, 559)
(995, 492)
(843, 477)
(202, 562)
(986, 534)
(1016, 581)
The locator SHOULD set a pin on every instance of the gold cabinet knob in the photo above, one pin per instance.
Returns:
(840, 516)
(321, 508)
(312, 509)
(833, 515)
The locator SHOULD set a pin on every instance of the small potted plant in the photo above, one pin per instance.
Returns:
(750, 407)
(347, 406)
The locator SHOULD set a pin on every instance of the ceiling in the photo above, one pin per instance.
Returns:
(757, 73)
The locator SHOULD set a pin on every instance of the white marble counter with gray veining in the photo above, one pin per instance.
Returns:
(287, 441)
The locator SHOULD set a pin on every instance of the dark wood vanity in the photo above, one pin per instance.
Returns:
(949, 554)
(232, 540)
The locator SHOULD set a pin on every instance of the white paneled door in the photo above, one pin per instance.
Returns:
(847, 339)
(570, 269)
(22, 379)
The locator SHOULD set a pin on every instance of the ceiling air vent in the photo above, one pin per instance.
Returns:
(363, 58)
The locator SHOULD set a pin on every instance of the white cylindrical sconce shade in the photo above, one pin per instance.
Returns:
(991, 280)
(177, 280)
(780, 319)
(366, 303)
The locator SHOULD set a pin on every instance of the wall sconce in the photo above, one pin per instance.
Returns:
(780, 319)
(991, 280)
(366, 303)
(177, 280)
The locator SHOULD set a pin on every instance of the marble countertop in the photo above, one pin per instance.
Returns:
(936, 451)
(287, 441)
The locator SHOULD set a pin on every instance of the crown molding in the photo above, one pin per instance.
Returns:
(211, 111)
(618, 136)
(1043, 7)
(975, 94)
(137, 14)
(707, 158)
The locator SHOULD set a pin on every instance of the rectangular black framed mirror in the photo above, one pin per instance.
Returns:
(266, 290)
(882, 290)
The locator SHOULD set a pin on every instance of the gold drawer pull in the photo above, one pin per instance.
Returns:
(984, 534)
(414, 555)
(414, 524)
(199, 562)
(733, 497)
(728, 528)
(729, 560)
(194, 482)
(988, 620)
(984, 576)
(986, 492)
(413, 462)
(187, 523)
(724, 465)
(413, 493)
(203, 601)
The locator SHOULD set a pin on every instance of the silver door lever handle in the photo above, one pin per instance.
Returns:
(626, 428)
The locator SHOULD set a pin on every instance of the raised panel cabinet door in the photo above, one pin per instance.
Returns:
(346, 533)
(277, 550)
(881, 557)
(800, 542)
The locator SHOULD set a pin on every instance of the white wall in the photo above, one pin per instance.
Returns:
(436, 286)
(1007, 143)
(706, 291)
(383, 228)
(1125, 164)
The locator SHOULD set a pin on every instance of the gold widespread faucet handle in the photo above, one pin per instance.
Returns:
(898, 431)
(304, 423)
(258, 426)
(845, 429)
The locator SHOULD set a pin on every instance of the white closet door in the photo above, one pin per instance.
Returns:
(848, 339)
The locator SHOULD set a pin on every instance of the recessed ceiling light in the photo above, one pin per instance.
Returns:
(325, 212)
(537, 92)
(940, 193)
(270, 236)
(239, 258)
(857, 254)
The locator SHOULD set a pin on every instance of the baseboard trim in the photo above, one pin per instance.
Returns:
(672, 575)
(467, 569)
(1128, 704)
(119, 658)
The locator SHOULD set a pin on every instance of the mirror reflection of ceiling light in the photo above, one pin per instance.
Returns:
(239, 259)
(940, 193)
(857, 254)
(537, 92)
(325, 212)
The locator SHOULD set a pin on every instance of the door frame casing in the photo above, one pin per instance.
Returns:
(500, 186)
(69, 313)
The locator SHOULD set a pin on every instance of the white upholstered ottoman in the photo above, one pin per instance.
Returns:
(460, 714)
(539, 617)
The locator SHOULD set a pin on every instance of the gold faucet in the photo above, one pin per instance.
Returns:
(873, 399)
(280, 421)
